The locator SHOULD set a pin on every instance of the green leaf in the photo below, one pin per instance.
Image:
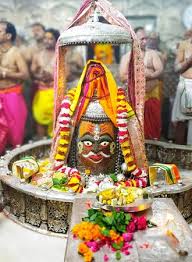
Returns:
(85, 219)
(122, 215)
(99, 221)
(121, 228)
(108, 220)
(57, 186)
(150, 224)
(105, 232)
(127, 218)
(117, 215)
(91, 211)
(118, 255)
(93, 217)
(56, 181)
(64, 180)
(117, 246)
(113, 177)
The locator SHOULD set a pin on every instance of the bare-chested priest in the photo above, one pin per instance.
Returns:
(182, 107)
(38, 33)
(42, 69)
(13, 71)
(153, 70)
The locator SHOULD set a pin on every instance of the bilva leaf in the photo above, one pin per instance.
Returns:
(117, 246)
(105, 232)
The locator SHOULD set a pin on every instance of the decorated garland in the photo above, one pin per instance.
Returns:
(124, 112)
(65, 127)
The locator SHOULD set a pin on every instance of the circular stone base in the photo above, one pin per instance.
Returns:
(49, 212)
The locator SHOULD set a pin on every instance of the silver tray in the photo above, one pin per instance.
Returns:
(136, 206)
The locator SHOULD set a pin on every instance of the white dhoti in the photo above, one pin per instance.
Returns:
(177, 114)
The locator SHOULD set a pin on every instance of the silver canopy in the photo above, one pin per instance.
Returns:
(93, 32)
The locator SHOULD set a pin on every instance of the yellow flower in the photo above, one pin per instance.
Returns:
(82, 248)
(107, 213)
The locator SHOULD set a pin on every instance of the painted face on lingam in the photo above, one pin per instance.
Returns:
(94, 144)
(96, 147)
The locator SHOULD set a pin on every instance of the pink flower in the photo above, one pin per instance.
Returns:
(106, 258)
(131, 227)
(135, 220)
(93, 245)
(141, 223)
(126, 252)
(126, 246)
(127, 237)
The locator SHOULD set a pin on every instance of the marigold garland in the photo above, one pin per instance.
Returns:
(65, 126)
(124, 112)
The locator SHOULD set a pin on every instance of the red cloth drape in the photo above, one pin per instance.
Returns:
(152, 118)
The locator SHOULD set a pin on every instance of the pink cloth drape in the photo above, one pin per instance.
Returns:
(13, 115)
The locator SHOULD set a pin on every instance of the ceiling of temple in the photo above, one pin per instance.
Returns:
(58, 13)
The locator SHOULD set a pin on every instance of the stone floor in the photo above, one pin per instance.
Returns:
(18, 244)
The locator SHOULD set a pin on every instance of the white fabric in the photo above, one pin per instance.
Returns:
(189, 133)
(177, 115)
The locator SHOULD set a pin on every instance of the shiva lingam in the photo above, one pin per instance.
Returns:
(95, 148)
(93, 131)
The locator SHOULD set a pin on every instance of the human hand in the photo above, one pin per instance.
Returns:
(46, 76)
(3, 73)
(148, 75)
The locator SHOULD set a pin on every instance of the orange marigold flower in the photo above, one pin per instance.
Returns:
(87, 231)
(88, 256)
(114, 236)
(119, 240)
(82, 248)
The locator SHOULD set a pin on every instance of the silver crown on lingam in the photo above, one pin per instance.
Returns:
(95, 112)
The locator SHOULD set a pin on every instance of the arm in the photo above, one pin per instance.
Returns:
(182, 64)
(157, 65)
(27, 52)
(22, 70)
(123, 68)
